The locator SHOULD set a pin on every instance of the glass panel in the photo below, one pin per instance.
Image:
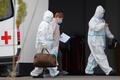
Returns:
(6, 9)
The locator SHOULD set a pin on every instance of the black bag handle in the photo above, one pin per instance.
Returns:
(44, 49)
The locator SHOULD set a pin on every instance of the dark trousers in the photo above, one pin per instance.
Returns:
(59, 58)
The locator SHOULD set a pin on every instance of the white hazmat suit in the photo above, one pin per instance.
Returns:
(45, 39)
(98, 30)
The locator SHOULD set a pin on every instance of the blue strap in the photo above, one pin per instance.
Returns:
(93, 33)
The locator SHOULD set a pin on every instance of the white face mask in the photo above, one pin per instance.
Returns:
(60, 21)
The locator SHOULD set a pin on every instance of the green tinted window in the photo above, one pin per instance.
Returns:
(6, 9)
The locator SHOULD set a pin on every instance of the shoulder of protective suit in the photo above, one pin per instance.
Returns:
(43, 24)
(92, 20)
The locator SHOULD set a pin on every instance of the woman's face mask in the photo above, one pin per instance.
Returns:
(59, 20)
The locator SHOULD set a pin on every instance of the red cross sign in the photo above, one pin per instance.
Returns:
(6, 37)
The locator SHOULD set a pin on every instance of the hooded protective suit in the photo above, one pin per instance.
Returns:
(45, 39)
(98, 30)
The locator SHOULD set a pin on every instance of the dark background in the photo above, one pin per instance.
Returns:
(77, 15)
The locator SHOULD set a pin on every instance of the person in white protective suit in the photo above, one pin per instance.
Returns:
(98, 31)
(45, 39)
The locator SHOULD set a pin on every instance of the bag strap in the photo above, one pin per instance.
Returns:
(44, 49)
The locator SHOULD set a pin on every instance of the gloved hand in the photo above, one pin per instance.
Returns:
(113, 44)
(44, 46)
